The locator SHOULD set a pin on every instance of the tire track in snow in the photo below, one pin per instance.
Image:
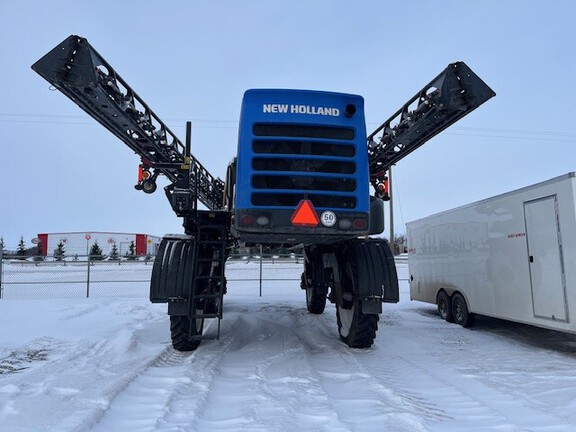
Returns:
(290, 372)
(72, 386)
(276, 367)
(279, 368)
(360, 398)
(265, 383)
(167, 394)
(96, 404)
(486, 407)
(257, 377)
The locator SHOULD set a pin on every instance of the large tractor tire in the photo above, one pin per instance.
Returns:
(315, 301)
(172, 277)
(356, 329)
(186, 331)
(181, 330)
(315, 282)
(367, 277)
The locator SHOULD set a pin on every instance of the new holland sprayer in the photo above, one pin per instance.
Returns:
(301, 178)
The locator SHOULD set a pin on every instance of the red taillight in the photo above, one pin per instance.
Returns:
(360, 223)
(247, 220)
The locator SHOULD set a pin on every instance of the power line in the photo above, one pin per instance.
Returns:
(520, 131)
(524, 138)
(197, 124)
(84, 117)
(207, 123)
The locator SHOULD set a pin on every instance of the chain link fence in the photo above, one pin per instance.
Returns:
(264, 275)
(82, 276)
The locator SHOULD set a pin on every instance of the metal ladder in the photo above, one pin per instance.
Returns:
(209, 279)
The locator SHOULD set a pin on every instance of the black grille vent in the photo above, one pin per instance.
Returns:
(304, 148)
(303, 131)
(304, 165)
(301, 161)
(303, 182)
(292, 200)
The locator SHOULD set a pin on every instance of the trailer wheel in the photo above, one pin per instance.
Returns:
(444, 306)
(180, 328)
(357, 330)
(460, 311)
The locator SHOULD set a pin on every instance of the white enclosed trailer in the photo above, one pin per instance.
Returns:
(512, 256)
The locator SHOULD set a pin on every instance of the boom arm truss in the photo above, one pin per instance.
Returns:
(76, 69)
(446, 99)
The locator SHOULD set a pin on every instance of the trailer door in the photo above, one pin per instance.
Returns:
(545, 258)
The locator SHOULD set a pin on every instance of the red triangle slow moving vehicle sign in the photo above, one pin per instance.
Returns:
(305, 215)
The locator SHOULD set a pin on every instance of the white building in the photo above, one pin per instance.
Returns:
(79, 243)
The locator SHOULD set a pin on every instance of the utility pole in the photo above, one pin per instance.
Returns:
(391, 204)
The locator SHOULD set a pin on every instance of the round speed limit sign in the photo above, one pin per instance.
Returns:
(328, 218)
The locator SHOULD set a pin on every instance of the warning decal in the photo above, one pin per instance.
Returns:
(305, 215)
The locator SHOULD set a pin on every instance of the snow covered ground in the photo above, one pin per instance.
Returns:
(105, 363)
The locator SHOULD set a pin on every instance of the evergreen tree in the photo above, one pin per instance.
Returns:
(96, 251)
(60, 251)
(114, 252)
(2, 247)
(131, 254)
(21, 251)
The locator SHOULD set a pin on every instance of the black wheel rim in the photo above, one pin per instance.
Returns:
(443, 308)
(459, 310)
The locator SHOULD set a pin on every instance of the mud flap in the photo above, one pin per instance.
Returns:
(376, 216)
(172, 274)
(376, 273)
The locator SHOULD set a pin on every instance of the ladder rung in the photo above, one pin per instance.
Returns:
(207, 296)
(203, 337)
(213, 315)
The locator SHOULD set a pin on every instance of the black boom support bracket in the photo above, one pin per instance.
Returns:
(76, 69)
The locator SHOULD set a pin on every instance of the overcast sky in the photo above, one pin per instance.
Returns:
(193, 60)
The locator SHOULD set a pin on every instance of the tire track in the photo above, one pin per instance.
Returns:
(259, 380)
(291, 373)
(488, 407)
(358, 397)
(165, 395)
(258, 383)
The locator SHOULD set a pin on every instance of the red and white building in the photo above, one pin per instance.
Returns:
(79, 243)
